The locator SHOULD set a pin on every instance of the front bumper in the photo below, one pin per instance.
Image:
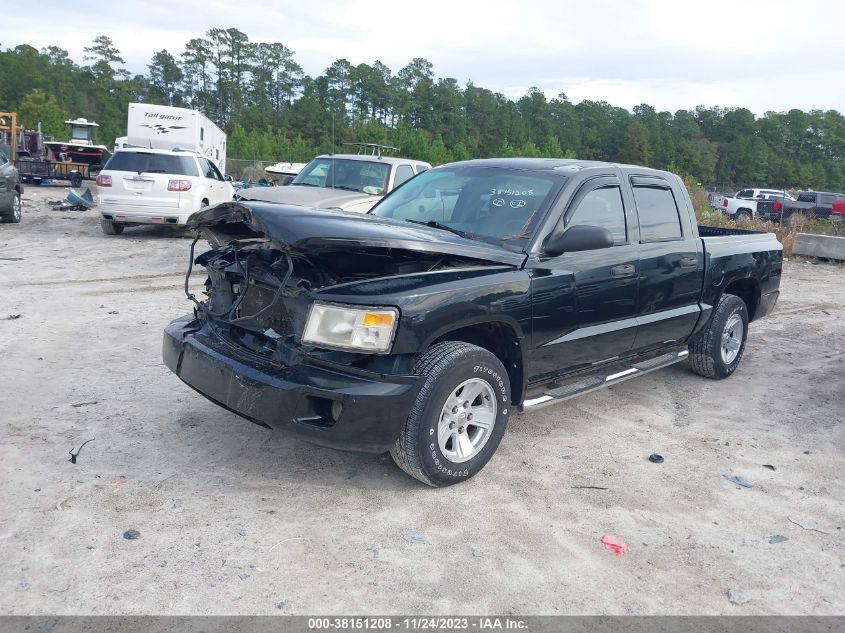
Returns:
(297, 399)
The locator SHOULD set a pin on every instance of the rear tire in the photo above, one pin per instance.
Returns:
(459, 416)
(717, 351)
(111, 228)
(75, 179)
(743, 214)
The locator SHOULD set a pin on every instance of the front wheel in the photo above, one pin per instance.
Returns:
(716, 352)
(14, 214)
(459, 416)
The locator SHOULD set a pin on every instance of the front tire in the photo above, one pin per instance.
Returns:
(14, 214)
(111, 228)
(717, 351)
(459, 416)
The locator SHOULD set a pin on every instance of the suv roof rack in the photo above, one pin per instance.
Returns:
(373, 149)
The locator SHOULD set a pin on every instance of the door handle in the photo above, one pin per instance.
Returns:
(625, 270)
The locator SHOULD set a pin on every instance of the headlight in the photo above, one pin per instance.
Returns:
(351, 328)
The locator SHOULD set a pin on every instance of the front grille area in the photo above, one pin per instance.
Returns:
(255, 309)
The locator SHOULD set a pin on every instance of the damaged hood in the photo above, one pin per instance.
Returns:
(302, 196)
(326, 229)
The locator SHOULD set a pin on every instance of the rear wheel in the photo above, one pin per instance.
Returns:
(717, 351)
(75, 179)
(743, 214)
(111, 228)
(459, 416)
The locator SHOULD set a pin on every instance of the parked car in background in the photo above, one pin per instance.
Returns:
(476, 289)
(816, 204)
(10, 190)
(837, 211)
(149, 186)
(351, 182)
(743, 204)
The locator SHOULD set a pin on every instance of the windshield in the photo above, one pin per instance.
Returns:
(345, 173)
(152, 163)
(488, 203)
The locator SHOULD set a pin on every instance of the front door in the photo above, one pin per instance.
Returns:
(584, 303)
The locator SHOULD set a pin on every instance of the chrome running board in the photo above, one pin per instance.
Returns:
(594, 382)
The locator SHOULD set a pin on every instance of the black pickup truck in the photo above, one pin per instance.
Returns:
(475, 289)
(816, 204)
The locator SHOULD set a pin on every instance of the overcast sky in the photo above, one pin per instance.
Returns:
(772, 55)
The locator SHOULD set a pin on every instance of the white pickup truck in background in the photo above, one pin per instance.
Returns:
(743, 204)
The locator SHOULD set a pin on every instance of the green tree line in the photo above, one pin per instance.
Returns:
(272, 110)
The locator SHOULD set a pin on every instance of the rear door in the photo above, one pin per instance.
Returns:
(671, 263)
(584, 303)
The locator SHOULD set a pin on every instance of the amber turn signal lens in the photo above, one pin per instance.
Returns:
(372, 319)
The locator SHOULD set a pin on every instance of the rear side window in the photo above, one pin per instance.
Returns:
(602, 207)
(658, 214)
(745, 193)
(3, 159)
(826, 199)
(806, 196)
(403, 173)
(142, 162)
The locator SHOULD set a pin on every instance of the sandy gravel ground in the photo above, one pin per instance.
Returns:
(234, 519)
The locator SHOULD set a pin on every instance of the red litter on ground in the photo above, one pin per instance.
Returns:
(613, 544)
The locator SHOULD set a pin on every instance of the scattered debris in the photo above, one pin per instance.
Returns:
(84, 404)
(739, 597)
(613, 544)
(590, 488)
(74, 452)
(23, 585)
(769, 466)
(655, 458)
(415, 537)
(809, 529)
(113, 312)
(11, 317)
(293, 538)
(280, 604)
(12, 259)
(131, 535)
(243, 576)
(777, 538)
(739, 480)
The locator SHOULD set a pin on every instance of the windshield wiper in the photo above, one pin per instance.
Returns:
(437, 225)
(346, 187)
(304, 184)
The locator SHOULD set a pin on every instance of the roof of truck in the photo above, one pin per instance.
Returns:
(565, 165)
(391, 160)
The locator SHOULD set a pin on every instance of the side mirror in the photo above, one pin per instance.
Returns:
(578, 238)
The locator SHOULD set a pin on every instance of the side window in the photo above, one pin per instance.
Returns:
(403, 173)
(602, 207)
(217, 174)
(658, 214)
(421, 169)
(807, 196)
(208, 169)
(826, 199)
(745, 193)
(3, 159)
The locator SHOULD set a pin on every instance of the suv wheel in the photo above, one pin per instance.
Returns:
(459, 417)
(717, 351)
(111, 228)
(14, 214)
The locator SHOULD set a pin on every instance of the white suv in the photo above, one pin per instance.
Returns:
(152, 186)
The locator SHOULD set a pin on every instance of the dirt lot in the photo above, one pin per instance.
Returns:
(234, 519)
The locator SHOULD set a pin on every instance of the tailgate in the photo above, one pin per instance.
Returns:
(140, 190)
